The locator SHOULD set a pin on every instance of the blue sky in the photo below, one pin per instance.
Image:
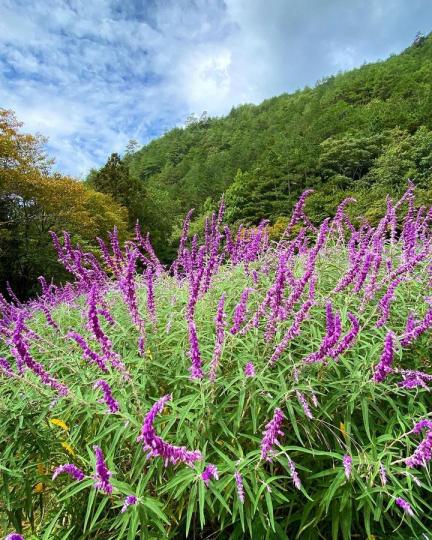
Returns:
(92, 74)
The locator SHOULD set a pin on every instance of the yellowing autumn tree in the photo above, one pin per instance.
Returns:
(33, 201)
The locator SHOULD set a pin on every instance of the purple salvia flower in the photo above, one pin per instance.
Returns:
(294, 474)
(271, 434)
(391, 213)
(418, 330)
(333, 332)
(249, 370)
(106, 315)
(340, 217)
(110, 262)
(14, 536)
(347, 463)
(240, 311)
(102, 475)
(182, 243)
(409, 266)
(275, 295)
(22, 354)
(128, 288)
(423, 453)
(150, 295)
(49, 318)
(312, 285)
(5, 368)
(348, 339)
(156, 446)
(298, 212)
(371, 286)
(115, 246)
(383, 475)
(364, 271)
(422, 425)
(389, 265)
(70, 469)
(303, 402)
(384, 303)
(130, 500)
(146, 244)
(209, 472)
(240, 488)
(292, 332)
(384, 366)
(410, 322)
(220, 335)
(12, 294)
(405, 505)
(141, 344)
(108, 398)
(195, 282)
(93, 323)
(413, 379)
(88, 353)
(194, 352)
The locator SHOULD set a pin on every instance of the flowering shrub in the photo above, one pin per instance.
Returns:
(253, 389)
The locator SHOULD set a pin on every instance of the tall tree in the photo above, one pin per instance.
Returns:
(114, 179)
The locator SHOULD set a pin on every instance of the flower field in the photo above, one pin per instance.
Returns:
(254, 389)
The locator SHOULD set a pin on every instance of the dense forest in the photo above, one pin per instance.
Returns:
(362, 133)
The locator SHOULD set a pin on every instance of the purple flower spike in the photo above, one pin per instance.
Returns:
(294, 474)
(405, 505)
(5, 368)
(102, 476)
(347, 463)
(240, 488)
(112, 404)
(383, 475)
(384, 366)
(422, 454)
(348, 339)
(249, 370)
(20, 349)
(156, 446)
(271, 433)
(421, 425)
(240, 311)
(88, 353)
(220, 337)
(70, 469)
(129, 501)
(194, 353)
(304, 404)
(14, 536)
(209, 472)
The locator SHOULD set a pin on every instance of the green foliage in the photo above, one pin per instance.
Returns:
(224, 421)
(114, 179)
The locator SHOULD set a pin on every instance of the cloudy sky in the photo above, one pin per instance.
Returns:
(92, 74)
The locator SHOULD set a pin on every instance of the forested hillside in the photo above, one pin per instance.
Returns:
(363, 132)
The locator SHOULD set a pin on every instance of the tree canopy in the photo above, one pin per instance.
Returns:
(34, 201)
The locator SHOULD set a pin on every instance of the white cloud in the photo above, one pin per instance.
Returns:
(91, 75)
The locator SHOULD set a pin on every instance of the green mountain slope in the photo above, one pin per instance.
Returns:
(366, 128)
